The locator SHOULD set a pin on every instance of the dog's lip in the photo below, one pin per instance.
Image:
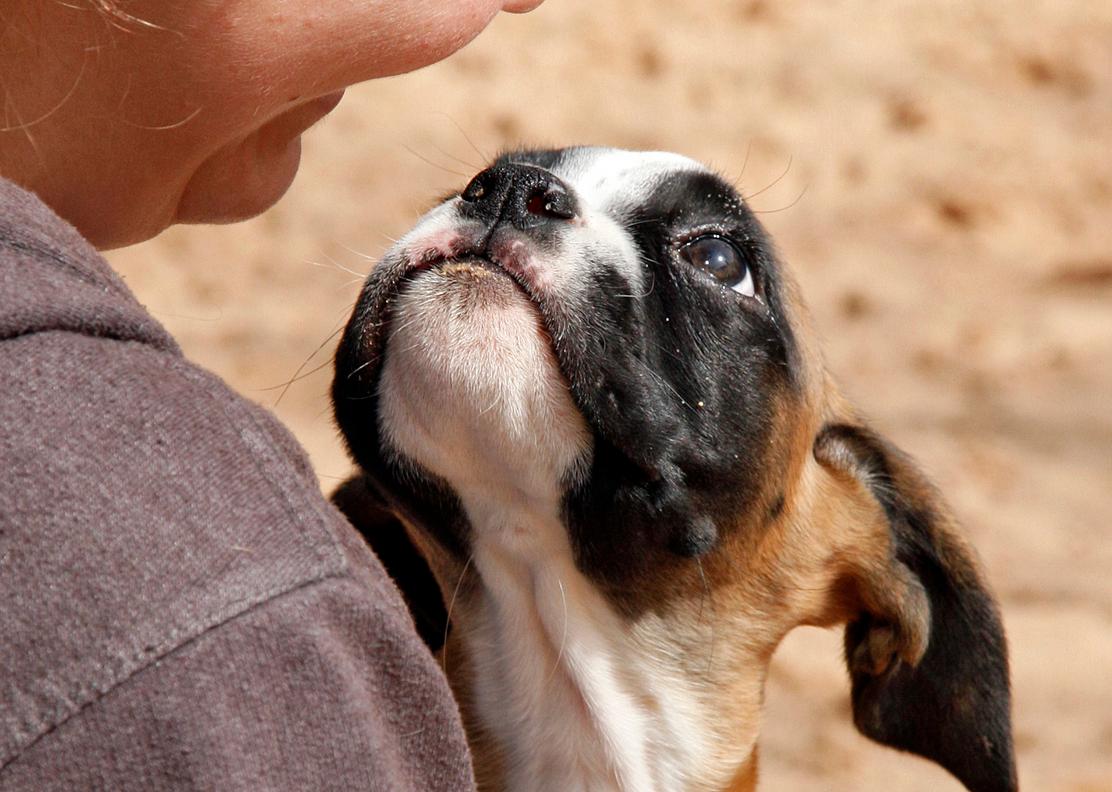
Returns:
(374, 334)
(481, 260)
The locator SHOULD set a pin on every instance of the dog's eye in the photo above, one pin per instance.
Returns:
(719, 258)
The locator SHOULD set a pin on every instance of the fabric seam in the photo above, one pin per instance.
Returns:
(237, 415)
(274, 596)
(42, 252)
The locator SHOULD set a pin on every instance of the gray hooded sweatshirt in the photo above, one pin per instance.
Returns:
(180, 608)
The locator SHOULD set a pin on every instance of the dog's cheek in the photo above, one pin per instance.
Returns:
(690, 446)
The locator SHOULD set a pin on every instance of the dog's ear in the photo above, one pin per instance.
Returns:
(386, 535)
(926, 652)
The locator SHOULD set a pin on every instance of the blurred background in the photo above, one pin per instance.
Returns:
(939, 176)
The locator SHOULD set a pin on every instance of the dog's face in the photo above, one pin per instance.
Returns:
(634, 341)
(591, 361)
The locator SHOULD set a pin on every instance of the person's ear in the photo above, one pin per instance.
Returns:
(926, 651)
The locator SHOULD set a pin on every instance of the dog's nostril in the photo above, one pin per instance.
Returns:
(474, 190)
(537, 203)
(550, 200)
(524, 196)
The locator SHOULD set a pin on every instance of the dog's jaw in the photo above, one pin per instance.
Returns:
(470, 391)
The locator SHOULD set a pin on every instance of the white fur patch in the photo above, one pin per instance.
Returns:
(470, 390)
(604, 178)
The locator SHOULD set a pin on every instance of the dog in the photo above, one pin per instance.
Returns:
(589, 391)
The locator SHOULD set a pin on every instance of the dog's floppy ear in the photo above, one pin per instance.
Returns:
(386, 535)
(926, 656)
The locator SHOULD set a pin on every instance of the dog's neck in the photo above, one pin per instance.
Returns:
(577, 697)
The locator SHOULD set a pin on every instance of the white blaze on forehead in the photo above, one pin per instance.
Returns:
(607, 183)
(607, 178)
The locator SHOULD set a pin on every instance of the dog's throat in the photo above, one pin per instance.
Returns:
(576, 696)
(546, 682)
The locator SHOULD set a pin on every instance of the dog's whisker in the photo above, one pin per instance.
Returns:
(652, 287)
(368, 256)
(707, 597)
(428, 161)
(640, 222)
(450, 155)
(563, 637)
(296, 375)
(482, 157)
(448, 614)
(349, 284)
(798, 198)
(492, 405)
(664, 350)
(771, 184)
(337, 265)
(706, 588)
(403, 326)
(745, 162)
(360, 367)
(736, 180)
(653, 373)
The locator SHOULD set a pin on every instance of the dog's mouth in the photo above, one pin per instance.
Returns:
(479, 275)
(473, 282)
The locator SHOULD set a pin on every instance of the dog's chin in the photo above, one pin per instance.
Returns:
(470, 389)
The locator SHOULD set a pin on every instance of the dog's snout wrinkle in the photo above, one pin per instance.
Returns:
(524, 196)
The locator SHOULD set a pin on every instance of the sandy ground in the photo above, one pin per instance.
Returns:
(939, 175)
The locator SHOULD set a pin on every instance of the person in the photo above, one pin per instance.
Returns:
(180, 608)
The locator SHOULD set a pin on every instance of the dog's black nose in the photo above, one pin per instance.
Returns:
(523, 195)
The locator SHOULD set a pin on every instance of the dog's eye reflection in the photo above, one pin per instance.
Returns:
(721, 260)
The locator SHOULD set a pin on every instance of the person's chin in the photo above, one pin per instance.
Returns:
(240, 183)
(248, 176)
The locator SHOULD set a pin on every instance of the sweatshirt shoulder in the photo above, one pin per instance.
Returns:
(52, 279)
(143, 504)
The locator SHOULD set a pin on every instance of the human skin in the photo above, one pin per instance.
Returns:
(164, 112)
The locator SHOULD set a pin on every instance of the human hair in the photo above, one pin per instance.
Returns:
(115, 15)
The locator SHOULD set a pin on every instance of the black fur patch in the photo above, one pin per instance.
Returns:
(681, 385)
